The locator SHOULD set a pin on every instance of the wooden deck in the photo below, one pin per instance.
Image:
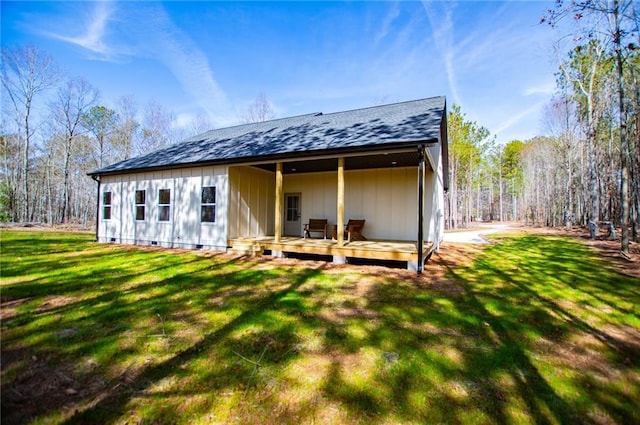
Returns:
(370, 249)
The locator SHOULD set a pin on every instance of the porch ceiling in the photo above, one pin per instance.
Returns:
(382, 160)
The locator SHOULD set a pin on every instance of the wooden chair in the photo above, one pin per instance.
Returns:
(353, 230)
(316, 225)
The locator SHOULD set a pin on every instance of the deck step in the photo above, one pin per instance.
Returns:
(247, 248)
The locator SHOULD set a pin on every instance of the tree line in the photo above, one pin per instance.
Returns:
(586, 171)
(55, 128)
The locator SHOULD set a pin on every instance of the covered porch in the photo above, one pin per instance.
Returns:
(271, 202)
(386, 250)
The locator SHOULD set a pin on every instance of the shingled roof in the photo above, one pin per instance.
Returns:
(396, 125)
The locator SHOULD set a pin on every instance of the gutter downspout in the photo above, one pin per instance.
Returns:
(420, 206)
(97, 179)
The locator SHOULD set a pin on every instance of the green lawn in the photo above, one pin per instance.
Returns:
(534, 329)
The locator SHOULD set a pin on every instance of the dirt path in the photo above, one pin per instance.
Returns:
(475, 236)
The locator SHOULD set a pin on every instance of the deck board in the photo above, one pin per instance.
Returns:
(373, 249)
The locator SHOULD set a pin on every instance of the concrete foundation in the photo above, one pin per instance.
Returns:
(338, 259)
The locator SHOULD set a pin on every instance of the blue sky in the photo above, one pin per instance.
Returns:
(492, 58)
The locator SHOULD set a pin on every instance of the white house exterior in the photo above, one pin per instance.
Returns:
(385, 164)
(182, 227)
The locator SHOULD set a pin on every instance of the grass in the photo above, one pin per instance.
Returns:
(532, 329)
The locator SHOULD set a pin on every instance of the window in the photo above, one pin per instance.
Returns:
(106, 205)
(164, 204)
(208, 208)
(140, 204)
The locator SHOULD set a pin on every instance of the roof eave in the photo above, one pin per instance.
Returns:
(401, 144)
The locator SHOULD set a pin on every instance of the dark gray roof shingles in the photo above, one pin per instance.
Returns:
(406, 122)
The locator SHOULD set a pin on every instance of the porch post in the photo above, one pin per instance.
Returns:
(420, 206)
(97, 179)
(340, 216)
(278, 217)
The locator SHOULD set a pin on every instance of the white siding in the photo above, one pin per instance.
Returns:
(437, 219)
(127, 210)
(109, 230)
(385, 198)
(318, 194)
(251, 202)
(184, 228)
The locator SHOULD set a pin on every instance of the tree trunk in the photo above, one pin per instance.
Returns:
(66, 196)
(501, 191)
(624, 147)
(25, 167)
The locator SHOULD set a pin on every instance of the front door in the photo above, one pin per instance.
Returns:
(292, 214)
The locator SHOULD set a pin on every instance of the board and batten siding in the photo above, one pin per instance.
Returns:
(318, 195)
(184, 228)
(251, 202)
(434, 199)
(386, 198)
(245, 204)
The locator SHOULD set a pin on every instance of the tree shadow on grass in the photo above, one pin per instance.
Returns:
(112, 405)
(589, 284)
(131, 298)
(519, 312)
(544, 405)
(474, 355)
(378, 347)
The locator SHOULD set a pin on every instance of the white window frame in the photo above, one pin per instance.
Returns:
(164, 206)
(139, 205)
(207, 205)
(106, 205)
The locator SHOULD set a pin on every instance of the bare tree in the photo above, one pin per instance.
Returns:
(561, 122)
(27, 72)
(614, 24)
(156, 129)
(197, 124)
(200, 124)
(259, 110)
(9, 175)
(127, 127)
(74, 100)
(582, 71)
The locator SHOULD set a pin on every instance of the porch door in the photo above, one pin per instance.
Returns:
(292, 222)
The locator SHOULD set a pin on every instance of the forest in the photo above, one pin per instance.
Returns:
(584, 171)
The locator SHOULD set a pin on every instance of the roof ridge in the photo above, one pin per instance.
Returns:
(310, 114)
(313, 114)
(397, 124)
(385, 105)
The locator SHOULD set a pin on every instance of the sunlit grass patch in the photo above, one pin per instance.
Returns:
(531, 329)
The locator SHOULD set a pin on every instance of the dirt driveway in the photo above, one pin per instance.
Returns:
(475, 235)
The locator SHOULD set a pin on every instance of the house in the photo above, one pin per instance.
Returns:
(252, 187)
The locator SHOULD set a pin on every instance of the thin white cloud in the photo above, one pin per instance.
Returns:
(513, 120)
(145, 30)
(177, 51)
(183, 120)
(93, 33)
(441, 23)
(547, 88)
(387, 24)
(492, 57)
